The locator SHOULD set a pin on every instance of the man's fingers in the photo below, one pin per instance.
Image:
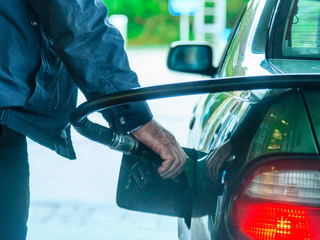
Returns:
(171, 169)
(173, 164)
(163, 143)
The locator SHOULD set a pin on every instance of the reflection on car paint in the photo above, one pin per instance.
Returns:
(220, 114)
(285, 128)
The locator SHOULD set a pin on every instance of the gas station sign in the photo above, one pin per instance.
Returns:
(184, 7)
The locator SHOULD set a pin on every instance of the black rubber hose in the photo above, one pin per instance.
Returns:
(94, 131)
(106, 136)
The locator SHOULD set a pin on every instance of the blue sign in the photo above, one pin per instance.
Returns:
(184, 7)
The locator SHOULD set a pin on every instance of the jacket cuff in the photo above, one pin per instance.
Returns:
(132, 117)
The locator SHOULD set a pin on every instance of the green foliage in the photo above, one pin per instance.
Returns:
(150, 22)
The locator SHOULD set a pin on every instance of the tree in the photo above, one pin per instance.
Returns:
(150, 22)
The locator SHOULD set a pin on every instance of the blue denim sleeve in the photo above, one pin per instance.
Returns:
(93, 52)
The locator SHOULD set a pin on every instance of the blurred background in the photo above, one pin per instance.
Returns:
(151, 23)
(76, 199)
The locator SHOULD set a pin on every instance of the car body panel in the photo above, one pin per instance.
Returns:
(285, 128)
(275, 123)
(211, 114)
(311, 98)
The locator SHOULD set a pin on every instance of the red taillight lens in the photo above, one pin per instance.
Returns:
(269, 221)
(280, 200)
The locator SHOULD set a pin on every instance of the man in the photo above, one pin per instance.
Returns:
(49, 49)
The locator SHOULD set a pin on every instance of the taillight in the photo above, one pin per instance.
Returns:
(279, 200)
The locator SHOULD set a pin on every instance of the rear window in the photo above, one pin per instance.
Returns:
(302, 36)
(298, 30)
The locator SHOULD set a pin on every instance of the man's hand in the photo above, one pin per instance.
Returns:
(163, 143)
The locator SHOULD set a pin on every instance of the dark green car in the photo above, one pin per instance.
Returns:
(256, 171)
(265, 142)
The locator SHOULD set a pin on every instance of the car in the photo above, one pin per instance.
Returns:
(270, 137)
(253, 170)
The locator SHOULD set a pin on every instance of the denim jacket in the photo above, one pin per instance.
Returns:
(49, 49)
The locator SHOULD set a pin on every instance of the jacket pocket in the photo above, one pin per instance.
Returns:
(46, 92)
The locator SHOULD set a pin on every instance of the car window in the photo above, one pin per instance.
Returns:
(297, 31)
(302, 35)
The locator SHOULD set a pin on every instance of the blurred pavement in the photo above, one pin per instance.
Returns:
(76, 199)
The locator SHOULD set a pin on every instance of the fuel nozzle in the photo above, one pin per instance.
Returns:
(146, 175)
(125, 143)
(145, 171)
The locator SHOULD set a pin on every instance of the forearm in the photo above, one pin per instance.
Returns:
(93, 52)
